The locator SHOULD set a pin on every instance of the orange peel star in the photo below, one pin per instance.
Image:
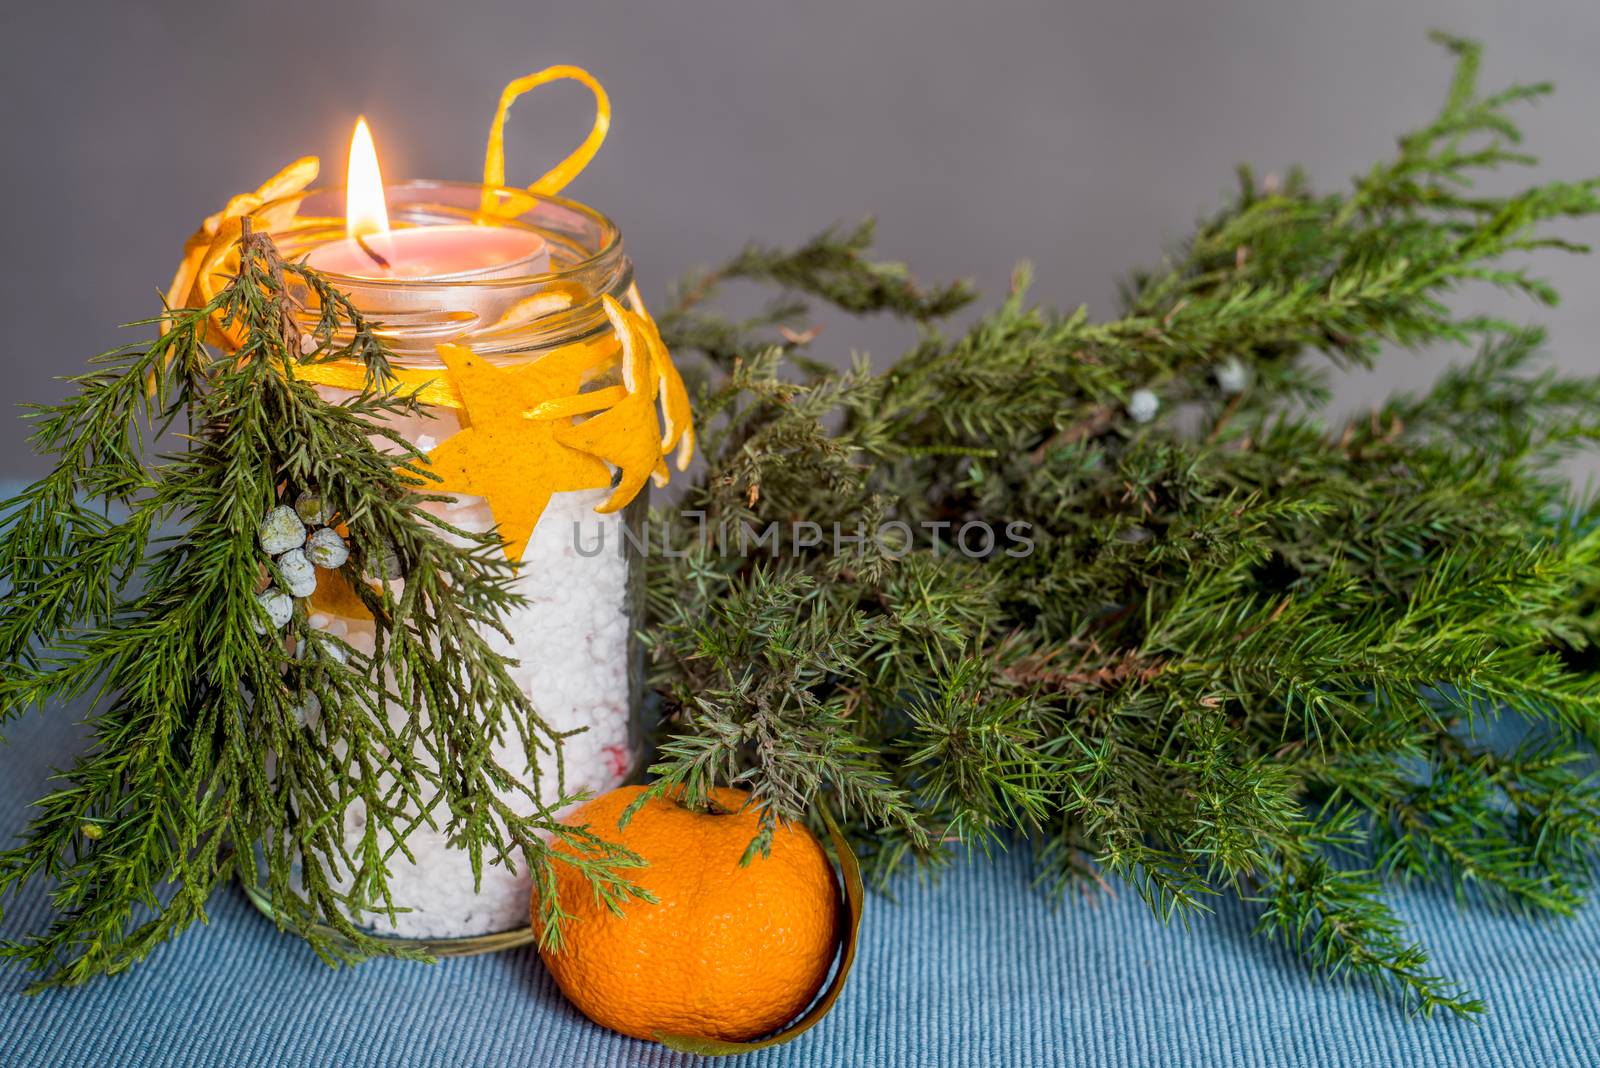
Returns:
(626, 435)
(512, 462)
(677, 422)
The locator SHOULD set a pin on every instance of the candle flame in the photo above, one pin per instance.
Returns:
(365, 212)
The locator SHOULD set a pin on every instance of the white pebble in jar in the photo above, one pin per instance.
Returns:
(572, 643)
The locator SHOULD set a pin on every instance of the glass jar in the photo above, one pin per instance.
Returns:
(574, 639)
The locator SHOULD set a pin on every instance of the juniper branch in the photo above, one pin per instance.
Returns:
(205, 760)
(1263, 656)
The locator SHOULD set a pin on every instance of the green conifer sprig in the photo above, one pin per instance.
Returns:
(221, 745)
(1250, 652)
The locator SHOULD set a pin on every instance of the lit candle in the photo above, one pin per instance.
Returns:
(441, 253)
(447, 252)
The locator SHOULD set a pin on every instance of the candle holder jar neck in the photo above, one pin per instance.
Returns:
(517, 309)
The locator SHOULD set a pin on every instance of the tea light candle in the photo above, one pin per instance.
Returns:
(372, 252)
(441, 253)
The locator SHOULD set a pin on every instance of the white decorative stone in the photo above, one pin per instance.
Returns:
(1143, 405)
(281, 531)
(570, 638)
(279, 606)
(326, 549)
(299, 575)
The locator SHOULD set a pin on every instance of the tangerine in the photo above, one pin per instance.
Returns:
(727, 951)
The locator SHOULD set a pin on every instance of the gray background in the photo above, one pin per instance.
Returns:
(1082, 136)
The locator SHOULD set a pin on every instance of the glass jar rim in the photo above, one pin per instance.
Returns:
(610, 244)
(587, 258)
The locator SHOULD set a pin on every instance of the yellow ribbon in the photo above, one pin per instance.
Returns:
(558, 177)
(434, 387)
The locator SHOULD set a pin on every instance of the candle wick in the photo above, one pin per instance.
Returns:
(372, 252)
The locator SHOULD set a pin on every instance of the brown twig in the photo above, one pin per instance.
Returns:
(1222, 420)
(1129, 666)
(1098, 421)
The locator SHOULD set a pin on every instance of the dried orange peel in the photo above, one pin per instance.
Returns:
(202, 244)
(336, 597)
(439, 390)
(211, 255)
(530, 429)
(626, 435)
(558, 296)
(517, 468)
(580, 404)
(596, 354)
(513, 463)
(677, 422)
(558, 177)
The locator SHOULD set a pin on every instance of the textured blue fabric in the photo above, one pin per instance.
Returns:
(976, 969)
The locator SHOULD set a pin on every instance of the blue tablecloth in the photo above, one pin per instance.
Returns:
(976, 969)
